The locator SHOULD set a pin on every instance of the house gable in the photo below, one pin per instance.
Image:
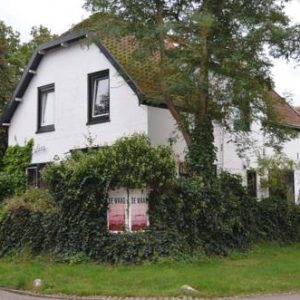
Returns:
(68, 69)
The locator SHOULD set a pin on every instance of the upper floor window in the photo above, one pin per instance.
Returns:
(46, 102)
(98, 97)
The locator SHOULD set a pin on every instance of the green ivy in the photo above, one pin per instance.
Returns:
(79, 186)
(187, 215)
(13, 174)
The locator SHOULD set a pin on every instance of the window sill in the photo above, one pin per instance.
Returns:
(99, 120)
(47, 128)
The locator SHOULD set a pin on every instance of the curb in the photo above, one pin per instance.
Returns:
(74, 297)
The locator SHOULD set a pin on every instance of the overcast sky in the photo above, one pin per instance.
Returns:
(60, 15)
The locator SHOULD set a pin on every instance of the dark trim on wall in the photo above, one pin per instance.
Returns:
(143, 100)
(41, 90)
(47, 128)
(37, 168)
(32, 67)
(92, 77)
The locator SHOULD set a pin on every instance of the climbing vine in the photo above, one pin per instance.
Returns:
(13, 174)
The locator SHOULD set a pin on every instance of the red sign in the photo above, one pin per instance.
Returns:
(127, 208)
(139, 217)
(116, 217)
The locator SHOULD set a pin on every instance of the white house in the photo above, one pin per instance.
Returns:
(71, 92)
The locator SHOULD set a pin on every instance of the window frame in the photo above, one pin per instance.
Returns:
(92, 79)
(33, 168)
(49, 88)
(38, 182)
(252, 188)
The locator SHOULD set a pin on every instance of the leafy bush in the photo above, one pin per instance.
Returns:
(141, 246)
(278, 220)
(25, 222)
(187, 215)
(214, 218)
(79, 186)
(13, 175)
(33, 200)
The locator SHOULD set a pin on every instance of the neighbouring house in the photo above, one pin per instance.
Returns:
(73, 92)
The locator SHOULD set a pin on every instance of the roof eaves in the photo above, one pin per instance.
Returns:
(31, 69)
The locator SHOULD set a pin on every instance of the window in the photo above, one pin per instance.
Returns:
(46, 101)
(252, 183)
(127, 211)
(98, 97)
(34, 176)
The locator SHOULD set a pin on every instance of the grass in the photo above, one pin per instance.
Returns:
(267, 268)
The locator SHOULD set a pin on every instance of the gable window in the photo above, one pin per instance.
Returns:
(98, 97)
(46, 102)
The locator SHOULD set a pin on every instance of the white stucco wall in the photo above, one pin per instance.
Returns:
(163, 130)
(68, 69)
(229, 160)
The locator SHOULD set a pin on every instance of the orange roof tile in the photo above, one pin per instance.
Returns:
(146, 75)
(287, 114)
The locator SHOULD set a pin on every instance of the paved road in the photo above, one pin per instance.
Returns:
(11, 296)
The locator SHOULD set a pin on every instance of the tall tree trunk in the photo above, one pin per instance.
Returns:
(201, 155)
(162, 51)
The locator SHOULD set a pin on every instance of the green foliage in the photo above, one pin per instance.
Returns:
(10, 67)
(79, 186)
(138, 247)
(13, 175)
(278, 220)
(39, 35)
(221, 64)
(131, 162)
(34, 200)
(188, 215)
(215, 218)
(28, 221)
(277, 175)
(202, 152)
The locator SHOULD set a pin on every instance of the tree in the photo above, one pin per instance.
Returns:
(39, 35)
(9, 64)
(218, 63)
(10, 68)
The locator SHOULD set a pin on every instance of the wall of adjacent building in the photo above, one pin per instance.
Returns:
(163, 130)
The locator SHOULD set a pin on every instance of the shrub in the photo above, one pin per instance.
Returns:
(187, 215)
(33, 200)
(13, 175)
(79, 186)
(23, 224)
(278, 220)
(214, 218)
